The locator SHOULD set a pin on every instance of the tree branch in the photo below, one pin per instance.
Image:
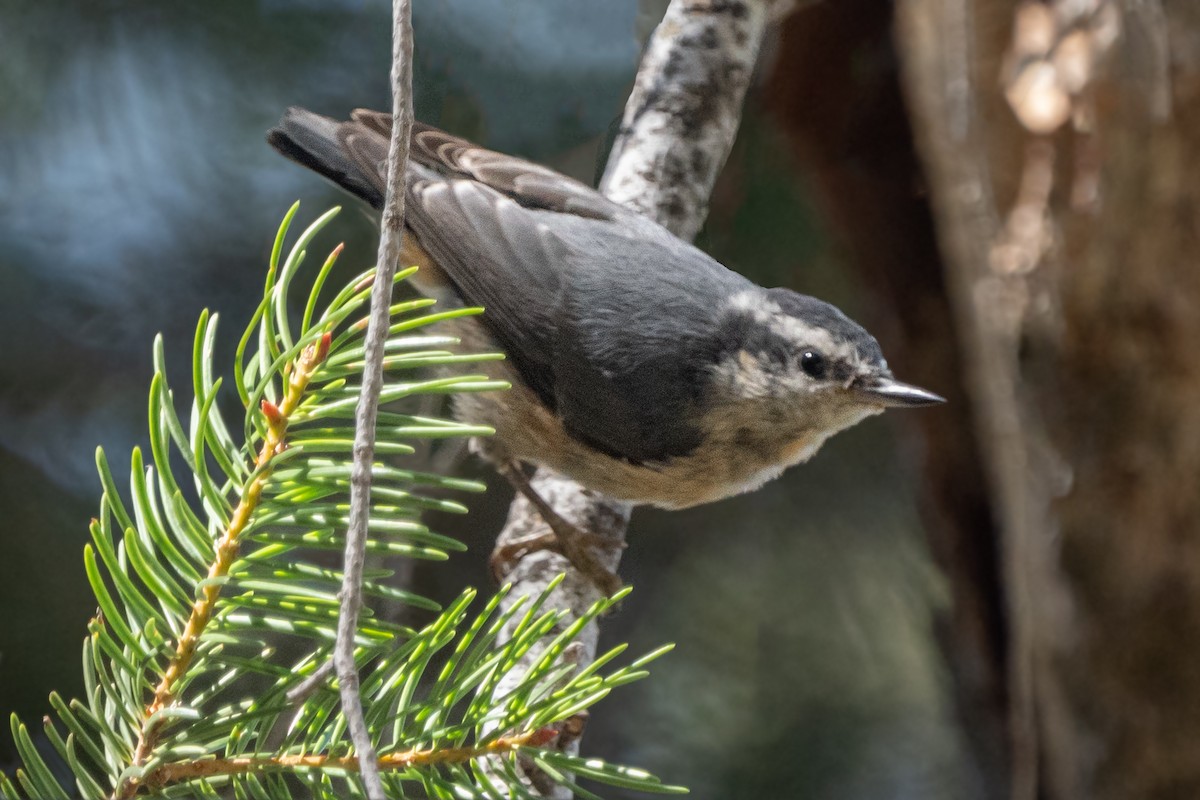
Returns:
(684, 111)
(391, 231)
(678, 128)
(179, 772)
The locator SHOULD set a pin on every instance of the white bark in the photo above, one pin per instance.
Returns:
(683, 114)
(678, 128)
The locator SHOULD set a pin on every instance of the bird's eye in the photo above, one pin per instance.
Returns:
(813, 363)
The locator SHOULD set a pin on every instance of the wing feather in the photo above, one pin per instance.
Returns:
(605, 315)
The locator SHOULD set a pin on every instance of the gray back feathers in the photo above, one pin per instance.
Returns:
(607, 317)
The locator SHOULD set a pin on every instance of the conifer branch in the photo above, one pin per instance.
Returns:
(168, 774)
(187, 689)
(226, 551)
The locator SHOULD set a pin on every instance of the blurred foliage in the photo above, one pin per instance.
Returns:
(134, 187)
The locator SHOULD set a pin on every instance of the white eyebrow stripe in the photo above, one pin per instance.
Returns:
(766, 312)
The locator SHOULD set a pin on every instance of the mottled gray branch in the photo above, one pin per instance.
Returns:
(683, 114)
(391, 231)
(678, 128)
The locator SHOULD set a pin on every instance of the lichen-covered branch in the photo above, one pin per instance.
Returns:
(683, 114)
(679, 125)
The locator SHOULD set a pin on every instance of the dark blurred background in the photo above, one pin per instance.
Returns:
(136, 189)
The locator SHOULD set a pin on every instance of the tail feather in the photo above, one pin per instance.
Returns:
(354, 155)
(318, 143)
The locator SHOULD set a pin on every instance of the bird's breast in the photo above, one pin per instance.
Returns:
(739, 451)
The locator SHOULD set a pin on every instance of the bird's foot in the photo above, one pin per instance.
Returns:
(565, 537)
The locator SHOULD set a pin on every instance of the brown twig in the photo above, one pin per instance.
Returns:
(183, 771)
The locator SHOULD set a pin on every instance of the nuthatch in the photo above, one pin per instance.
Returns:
(640, 367)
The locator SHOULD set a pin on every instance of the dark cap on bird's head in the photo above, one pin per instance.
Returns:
(800, 345)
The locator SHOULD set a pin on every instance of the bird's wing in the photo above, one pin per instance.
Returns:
(611, 322)
(531, 185)
(498, 258)
(603, 313)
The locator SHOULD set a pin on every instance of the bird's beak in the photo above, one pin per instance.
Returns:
(890, 392)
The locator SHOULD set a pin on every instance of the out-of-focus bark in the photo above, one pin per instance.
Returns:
(1061, 144)
(834, 88)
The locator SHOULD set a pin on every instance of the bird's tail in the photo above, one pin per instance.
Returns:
(353, 154)
(350, 154)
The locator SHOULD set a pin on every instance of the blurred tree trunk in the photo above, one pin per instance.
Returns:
(835, 88)
(1061, 142)
(1060, 147)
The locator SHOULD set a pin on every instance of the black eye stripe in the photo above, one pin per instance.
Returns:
(841, 372)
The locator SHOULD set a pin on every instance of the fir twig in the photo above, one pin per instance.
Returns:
(168, 774)
(226, 552)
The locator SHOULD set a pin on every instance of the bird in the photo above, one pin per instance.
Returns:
(640, 367)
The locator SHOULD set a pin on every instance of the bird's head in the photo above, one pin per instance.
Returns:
(804, 367)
